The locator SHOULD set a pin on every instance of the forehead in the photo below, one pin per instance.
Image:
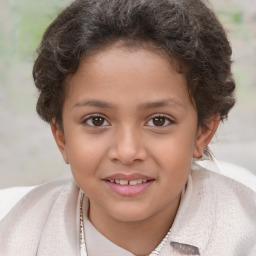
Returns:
(117, 73)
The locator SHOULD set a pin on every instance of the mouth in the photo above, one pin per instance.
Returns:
(132, 185)
(128, 182)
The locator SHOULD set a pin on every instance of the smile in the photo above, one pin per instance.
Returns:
(129, 182)
(128, 185)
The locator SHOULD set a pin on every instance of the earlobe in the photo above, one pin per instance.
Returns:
(204, 136)
(60, 140)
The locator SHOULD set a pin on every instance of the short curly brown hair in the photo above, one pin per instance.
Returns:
(188, 31)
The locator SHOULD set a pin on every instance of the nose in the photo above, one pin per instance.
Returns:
(127, 147)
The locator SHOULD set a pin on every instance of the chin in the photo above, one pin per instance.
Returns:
(129, 214)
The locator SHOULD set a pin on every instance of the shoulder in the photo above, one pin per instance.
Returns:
(218, 187)
(217, 214)
(31, 220)
(44, 194)
(235, 172)
(9, 197)
(228, 207)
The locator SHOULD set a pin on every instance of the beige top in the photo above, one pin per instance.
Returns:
(217, 216)
(97, 244)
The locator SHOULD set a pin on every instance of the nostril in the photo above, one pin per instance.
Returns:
(127, 156)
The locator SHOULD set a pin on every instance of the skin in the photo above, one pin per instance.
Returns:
(128, 89)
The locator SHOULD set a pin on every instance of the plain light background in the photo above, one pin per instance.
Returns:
(28, 154)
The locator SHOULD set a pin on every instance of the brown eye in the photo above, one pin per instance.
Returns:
(159, 121)
(96, 121)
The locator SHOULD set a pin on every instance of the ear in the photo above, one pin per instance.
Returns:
(60, 140)
(204, 135)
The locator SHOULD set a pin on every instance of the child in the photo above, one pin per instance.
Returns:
(134, 91)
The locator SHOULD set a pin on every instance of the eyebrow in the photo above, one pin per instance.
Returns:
(146, 105)
(161, 103)
(94, 103)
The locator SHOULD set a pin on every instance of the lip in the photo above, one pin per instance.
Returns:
(128, 190)
(132, 176)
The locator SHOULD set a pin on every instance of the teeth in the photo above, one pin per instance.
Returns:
(124, 182)
(128, 182)
(133, 182)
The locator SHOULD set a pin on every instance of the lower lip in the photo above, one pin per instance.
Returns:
(128, 190)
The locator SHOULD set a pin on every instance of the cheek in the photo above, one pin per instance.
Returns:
(84, 157)
(176, 166)
(84, 162)
(174, 148)
(174, 156)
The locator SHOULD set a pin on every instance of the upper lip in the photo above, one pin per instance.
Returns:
(123, 176)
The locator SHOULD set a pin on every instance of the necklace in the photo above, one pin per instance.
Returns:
(83, 249)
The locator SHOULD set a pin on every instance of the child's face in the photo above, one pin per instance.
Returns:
(127, 117)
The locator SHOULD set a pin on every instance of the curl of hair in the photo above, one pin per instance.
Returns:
(186, 30)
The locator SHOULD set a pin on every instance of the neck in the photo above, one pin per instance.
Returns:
(138, 237)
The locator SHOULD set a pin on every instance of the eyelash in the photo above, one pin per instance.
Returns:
(103, 121)
(160, 116)
(90, 118)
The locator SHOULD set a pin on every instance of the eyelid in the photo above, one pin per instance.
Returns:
(167, 117)
(88, 117)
